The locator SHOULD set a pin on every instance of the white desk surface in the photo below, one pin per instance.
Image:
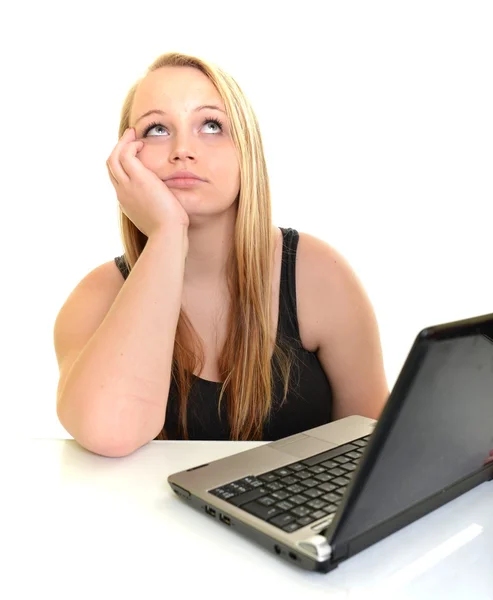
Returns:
(77, 525)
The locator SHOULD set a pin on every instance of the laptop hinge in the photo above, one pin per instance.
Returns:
(317, 546)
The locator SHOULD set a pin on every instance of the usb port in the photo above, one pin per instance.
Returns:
(210, 511)
(225, 519)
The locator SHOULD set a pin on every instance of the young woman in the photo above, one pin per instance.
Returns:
(214, 323)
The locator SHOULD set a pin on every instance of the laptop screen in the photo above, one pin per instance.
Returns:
(441, 433)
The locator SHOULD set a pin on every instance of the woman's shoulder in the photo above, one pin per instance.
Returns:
(104, 278)
(85, 308)
(315, 253)
(324, 281)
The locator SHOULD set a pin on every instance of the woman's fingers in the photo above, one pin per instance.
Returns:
(131, 165)
(115, 168)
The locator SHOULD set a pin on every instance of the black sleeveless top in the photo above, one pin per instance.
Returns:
(308, 403)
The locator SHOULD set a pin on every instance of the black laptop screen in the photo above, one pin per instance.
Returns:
(442, 432)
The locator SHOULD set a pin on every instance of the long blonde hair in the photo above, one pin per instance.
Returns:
(245, 360)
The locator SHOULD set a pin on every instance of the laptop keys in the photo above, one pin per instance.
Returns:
(223, 493)
(296, 489)
(327, 487)
(280, 495)
(297, 467)
(282, 520)
(303, 475)
(285, 505)
(316, 504)
(301, 511)
(309, 483)
(236, 488)
(251, 481)
(248, 496)
(283, 472)
(315, 460)
(300, 493)
(263, 512)
(268, 477)
(291, 527)
(341, 459)
(298, 499)
(356, 455)
(329, 464)
(341, 480)
(305, 520)
(317, 469)
(312, 493)
(360, 443)
(349, 467)
(332, 498)
(289, 480)
(267, 501)
(275, 486)
(318, 514)
(337, 472)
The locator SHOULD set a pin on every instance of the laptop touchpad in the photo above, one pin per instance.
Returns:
(305, 447)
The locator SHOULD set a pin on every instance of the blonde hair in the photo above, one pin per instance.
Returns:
(245, 360)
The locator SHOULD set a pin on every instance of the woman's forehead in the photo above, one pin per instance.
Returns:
(174, 89)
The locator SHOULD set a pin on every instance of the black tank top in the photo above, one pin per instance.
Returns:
(307, 405)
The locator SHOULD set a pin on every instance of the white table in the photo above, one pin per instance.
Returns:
(77, 525)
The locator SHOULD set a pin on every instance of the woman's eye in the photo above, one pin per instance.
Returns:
(213, 123)
(149, 129)
(157, 126)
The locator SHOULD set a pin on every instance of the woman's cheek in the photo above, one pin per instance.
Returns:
(152, 154)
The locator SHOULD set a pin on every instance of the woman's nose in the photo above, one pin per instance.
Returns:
(183, 146)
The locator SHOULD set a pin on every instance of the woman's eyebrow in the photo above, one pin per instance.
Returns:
(162, 112)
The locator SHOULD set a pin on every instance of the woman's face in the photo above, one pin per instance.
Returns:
(184, 136)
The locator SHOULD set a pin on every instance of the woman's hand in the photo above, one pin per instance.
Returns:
(144, 198)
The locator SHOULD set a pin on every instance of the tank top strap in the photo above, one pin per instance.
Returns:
(122, 265)
(288, 314)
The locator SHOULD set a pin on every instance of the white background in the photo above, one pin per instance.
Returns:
(390, 101)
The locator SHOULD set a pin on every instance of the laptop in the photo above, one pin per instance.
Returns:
(318, 497)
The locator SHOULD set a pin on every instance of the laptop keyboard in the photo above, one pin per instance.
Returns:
(300, 493)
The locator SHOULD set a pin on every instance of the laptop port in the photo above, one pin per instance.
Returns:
(293, 556)
(210, 511)
(277, 550)
(225, 519)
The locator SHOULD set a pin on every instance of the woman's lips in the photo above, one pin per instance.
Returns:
(183, 182)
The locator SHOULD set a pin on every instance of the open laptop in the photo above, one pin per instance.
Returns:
(318, 497)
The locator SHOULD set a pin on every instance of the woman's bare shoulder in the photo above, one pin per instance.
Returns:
(105, 277)
(83, 312)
